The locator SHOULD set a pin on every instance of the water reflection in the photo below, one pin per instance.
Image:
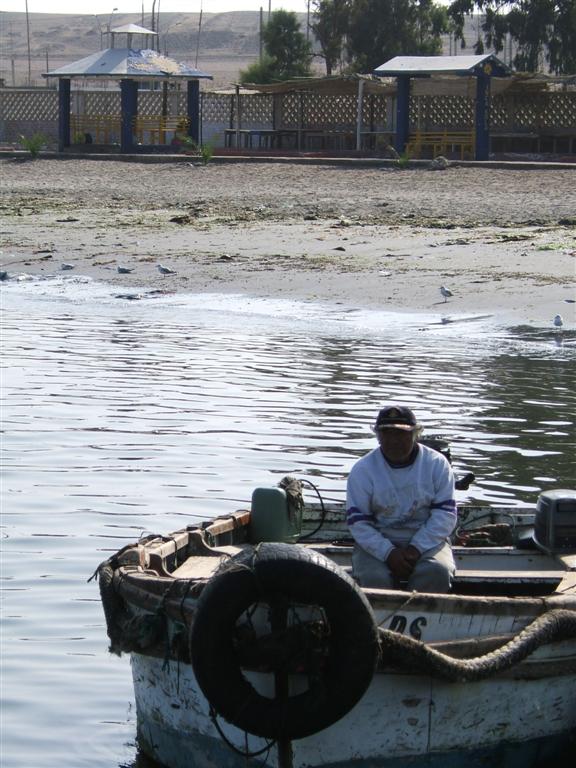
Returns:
(124, 418)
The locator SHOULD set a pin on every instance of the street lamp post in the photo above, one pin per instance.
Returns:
(109, 23)
(101, 31)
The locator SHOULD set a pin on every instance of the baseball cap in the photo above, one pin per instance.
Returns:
(396, 417)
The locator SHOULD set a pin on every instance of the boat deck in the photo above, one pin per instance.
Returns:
(497, 568)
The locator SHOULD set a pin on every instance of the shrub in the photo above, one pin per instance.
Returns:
(184, 143)
(404, 160)
(33, 143)
(206, 152)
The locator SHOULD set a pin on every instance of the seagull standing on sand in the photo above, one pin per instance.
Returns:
(124, 270)
(558, 322)
(165, 270)
(446, 293)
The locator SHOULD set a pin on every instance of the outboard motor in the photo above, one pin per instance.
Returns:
(276, 513)
(555, 522)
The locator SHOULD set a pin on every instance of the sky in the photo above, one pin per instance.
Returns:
(166, 6)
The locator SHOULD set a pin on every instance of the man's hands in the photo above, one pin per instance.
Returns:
(402, 560)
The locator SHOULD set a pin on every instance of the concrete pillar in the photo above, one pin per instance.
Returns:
(63, 113)
(402, 113)
(482, 119)
(129, 109)
(193, 110)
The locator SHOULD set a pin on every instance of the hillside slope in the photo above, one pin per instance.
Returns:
(228, 42)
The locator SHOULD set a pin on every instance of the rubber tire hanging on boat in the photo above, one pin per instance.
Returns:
(283, 574)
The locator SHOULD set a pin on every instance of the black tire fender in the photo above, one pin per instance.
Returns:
(276, 573)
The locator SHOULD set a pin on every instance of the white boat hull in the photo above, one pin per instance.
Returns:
(382, 661)
(402, 720)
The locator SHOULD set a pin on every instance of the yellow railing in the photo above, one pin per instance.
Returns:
(105, 129)
(441, 143)
(95, 129)
(158, 129)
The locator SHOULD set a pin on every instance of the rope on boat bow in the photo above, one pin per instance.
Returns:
(399, 650)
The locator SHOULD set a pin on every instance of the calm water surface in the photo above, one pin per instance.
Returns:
(128, 417)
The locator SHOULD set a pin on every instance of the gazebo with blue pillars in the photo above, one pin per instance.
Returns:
(483, 68)
(130, 66)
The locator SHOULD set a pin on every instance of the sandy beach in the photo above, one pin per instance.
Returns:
(502, 240)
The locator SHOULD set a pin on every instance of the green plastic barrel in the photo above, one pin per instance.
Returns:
(270, 518)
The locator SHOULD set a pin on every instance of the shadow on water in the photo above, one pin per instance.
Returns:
(122, 418)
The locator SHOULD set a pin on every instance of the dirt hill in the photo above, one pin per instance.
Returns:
(228, 42)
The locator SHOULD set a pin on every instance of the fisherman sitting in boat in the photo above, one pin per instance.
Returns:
(400, 509)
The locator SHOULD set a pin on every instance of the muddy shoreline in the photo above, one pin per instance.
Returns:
(503, 241)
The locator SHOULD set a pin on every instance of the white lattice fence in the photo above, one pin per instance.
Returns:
(555, 112)
(429, 113)
(375, 112)
(257, 109)
(27, 111)
(218, 108)
(100, 103)
(29, 105)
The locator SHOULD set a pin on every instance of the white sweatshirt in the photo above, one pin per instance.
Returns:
(395, 506)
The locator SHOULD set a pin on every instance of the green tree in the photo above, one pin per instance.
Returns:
(286, 51)
(330, 26)
(381, 29)
(372, 31)
(539, 28)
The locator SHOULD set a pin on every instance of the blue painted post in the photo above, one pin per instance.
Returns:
(402, 113)
(129, 108)
(63, 113)
(193, 110)
(482, 116)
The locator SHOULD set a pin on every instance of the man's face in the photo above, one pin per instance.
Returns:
(396, 444)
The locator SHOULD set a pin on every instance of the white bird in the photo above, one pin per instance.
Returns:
(165, 270)
(446, 293)
(124, 270)
(65, 267)
(558, 322)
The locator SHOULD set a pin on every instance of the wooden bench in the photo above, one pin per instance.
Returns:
(441, 143)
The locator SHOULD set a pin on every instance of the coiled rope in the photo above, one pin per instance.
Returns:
(405, 652)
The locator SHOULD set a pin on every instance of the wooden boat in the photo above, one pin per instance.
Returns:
(251, 644)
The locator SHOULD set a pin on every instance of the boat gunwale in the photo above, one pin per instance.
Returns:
(150, 571)
(140, 587)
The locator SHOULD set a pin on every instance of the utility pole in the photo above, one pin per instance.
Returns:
(28, 41)
(308, 21)
(158, 27)
(260, 32)
(101, 31)
(198, 38)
